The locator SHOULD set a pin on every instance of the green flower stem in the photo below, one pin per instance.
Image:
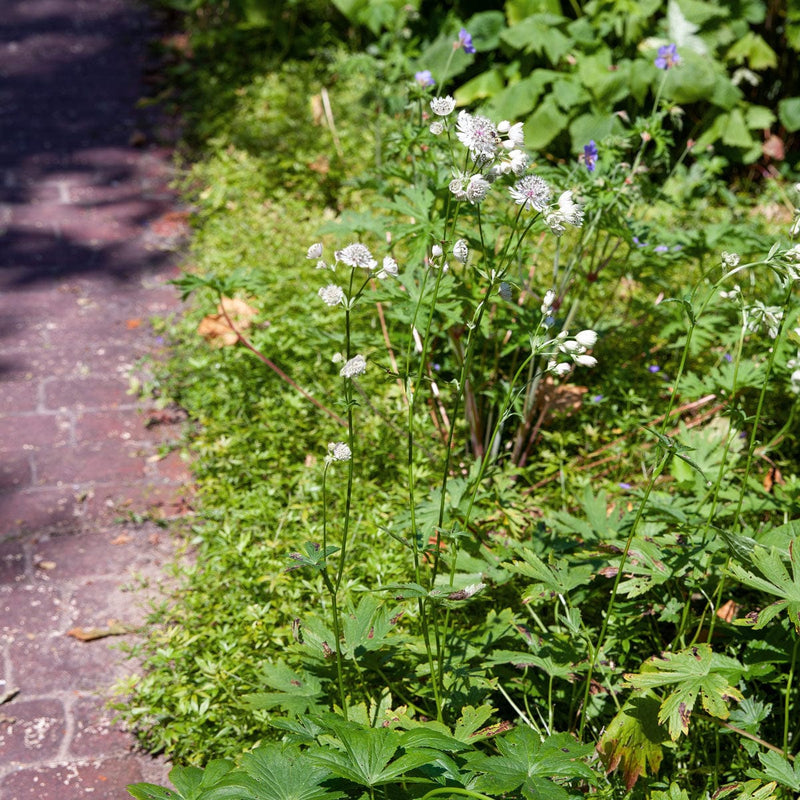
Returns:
(332, 593)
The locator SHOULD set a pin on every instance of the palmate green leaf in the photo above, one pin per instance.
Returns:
(192, 783)
(775, 581)
(529, 763)
(279, 773)
(369, 627)
(697, 670)
(369, 754)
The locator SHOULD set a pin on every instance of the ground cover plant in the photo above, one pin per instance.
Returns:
(500, 474)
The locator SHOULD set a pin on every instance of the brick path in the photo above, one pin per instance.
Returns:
(84, 212)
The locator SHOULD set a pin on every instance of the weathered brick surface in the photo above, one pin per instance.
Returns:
(85, 262)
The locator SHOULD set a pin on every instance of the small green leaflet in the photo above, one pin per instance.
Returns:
(695, 670)
(776, 581)
(777, 768)
(297, 692)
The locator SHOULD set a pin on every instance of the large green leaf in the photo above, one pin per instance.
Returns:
(695, 670)
(789, 113)
(529, 763)
(279, 773)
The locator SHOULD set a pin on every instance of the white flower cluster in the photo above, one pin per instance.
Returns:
(338, 451)
(769, 316)
(354, 367)
(498, 150)
(355, 255)
(575, 350)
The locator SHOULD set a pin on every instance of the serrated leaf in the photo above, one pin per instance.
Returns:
(695, 671)
(777, 768)
(297, 692)
(470, 721)
(284, 774)
(774, 580)
(633, 740)
(529, 763)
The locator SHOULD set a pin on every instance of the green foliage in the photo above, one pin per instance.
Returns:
(514, 569)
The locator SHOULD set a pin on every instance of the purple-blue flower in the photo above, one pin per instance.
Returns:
(465, 41)
(590, 155)
(424, 78)
(661, 248)
(654, 368)
(667, 56)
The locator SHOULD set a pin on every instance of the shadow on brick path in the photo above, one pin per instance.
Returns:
(87, 223)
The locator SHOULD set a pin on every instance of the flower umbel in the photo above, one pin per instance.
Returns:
(356, 366)
(338, 451)
(478, 134)
(667, 56)
(356, 255)
(443, 106)
(331, 294)
(531, 192)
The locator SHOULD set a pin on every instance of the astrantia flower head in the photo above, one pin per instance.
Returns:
(443, 106)
(436, 251)
(461, 251)
(465, 41)
(357, 365)
(570, 210)
(531, 192)
(356, 255)
(478, 134)
(389, 267)
(729, 259)
(768, 316)
(338, 451)
(547, 302)
(314, 252)
(590, 155)
(331, 294)
(667, 56)
(477, 189)
(424, 78)
(436, 128)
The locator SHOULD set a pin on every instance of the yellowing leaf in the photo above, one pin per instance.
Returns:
(694, 671)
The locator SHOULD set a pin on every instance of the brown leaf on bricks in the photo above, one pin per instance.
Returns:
(90, 634)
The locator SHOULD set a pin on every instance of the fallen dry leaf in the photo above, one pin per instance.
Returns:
(214, 328)
(90, 634)
(46, 565)
(772, 477)
(123, 538)
(131, 324)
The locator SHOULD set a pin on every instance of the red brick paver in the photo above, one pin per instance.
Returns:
(84, 264)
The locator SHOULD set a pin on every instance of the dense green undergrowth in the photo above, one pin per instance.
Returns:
(598, 573)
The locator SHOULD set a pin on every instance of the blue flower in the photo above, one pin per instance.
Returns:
(590, 155)
(667, 56)
(465, 41)
(424, 78)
